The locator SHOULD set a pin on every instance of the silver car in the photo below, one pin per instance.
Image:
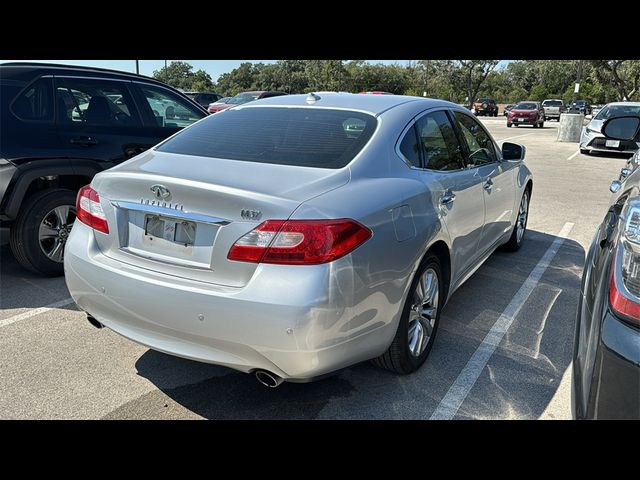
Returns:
(297, 235)
(591, 140)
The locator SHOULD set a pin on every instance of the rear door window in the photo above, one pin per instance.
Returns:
(306, 137)
(82, 101)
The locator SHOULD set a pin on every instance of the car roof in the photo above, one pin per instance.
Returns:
(632, 104)
(22, 67)
(373, 104)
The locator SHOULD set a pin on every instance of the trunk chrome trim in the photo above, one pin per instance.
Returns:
(172, 213)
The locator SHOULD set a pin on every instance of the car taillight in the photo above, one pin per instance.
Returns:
(624, 285)
(299, 242)
(89, 211)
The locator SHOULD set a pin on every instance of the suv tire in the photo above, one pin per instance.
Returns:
(25, 237)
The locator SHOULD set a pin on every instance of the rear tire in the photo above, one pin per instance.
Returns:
(520, 228)
(541, 125)
(508, 125)
(26, 240)
(410, 346)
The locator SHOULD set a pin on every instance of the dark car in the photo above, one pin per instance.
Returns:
(606, 355)
(203, 98)
(581, 106)
(60, 126)
(526, 113)
(241, 98)
(486, 106)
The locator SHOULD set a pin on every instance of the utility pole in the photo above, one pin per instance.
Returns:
(137, 67)
(165, 65)
(577, 89)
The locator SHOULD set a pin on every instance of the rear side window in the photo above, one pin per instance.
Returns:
(439, 143)
(305, 137)
(409, 147)
(35, 103)
(82, 101)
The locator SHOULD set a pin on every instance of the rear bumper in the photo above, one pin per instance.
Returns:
(297, 323)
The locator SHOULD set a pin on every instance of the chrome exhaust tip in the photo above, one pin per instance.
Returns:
(268, 379)
(94, 322)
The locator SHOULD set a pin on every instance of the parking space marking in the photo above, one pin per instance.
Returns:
(450, 403)
(573, 156)
(35, 311)
(517, 136)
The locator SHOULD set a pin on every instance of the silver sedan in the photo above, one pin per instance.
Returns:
(592, 140)
(297, 235)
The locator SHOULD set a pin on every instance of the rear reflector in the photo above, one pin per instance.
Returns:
(89, 211)
(299, 242)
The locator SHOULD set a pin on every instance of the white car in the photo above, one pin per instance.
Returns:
(592, 140)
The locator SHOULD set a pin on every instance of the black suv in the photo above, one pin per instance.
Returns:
(203, 98)
(60, 126)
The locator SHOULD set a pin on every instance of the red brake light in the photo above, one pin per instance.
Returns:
(299, 242)
(89, 211)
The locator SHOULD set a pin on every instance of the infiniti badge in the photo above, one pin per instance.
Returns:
(160, 191)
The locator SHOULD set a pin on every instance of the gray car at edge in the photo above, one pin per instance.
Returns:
(297, 235)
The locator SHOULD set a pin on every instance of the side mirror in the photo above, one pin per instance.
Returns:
(621, 128)
(588, 117)
(513, 151)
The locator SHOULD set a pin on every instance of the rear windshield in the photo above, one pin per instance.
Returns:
(304, 137)
(525, 106)
(552, 103)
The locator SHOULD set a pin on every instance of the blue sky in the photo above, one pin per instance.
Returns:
(214, 67)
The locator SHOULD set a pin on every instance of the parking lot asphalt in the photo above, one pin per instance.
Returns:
(503, 349)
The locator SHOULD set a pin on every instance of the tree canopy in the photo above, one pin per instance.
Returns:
(460, 81)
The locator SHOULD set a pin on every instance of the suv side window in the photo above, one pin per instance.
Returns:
(83, 101)
(168, 109)
(481, 147)
(35, 103)
(440, 147)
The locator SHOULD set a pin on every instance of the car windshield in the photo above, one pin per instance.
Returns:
(611, 111)
(482, 100)
(304, 137)
(552, 103)
(243, 98)
(525, 106)
(580, 102)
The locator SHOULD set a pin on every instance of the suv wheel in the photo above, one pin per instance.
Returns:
(40, 232)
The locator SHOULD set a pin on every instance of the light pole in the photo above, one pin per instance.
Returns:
(577, 88)
(137, 67)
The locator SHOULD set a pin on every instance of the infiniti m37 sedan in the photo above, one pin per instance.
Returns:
(297, 235)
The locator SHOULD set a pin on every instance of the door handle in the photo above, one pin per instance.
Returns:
(447, 198)
(84, 141)
(488, 185)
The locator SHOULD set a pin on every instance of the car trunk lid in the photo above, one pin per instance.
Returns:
(180, 214)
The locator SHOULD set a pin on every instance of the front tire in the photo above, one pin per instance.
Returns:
(584, 151)
(508, 125)
(519, 229)
(41, 229)
(419, 321)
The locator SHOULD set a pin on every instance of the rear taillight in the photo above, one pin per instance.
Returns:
(89, 210)
(624, 285)
(299, 242)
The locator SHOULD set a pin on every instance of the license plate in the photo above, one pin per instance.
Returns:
(521, 119)
(170, 229)
(612, 143)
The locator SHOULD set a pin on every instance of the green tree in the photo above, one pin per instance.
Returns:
(181, 75)
(471, 74)
(623, 75)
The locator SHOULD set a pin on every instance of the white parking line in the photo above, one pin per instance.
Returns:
(517, 136)
(573, 156)
(34, 312)
(450, 403)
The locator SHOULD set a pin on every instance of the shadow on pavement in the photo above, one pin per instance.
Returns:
(518, 382)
